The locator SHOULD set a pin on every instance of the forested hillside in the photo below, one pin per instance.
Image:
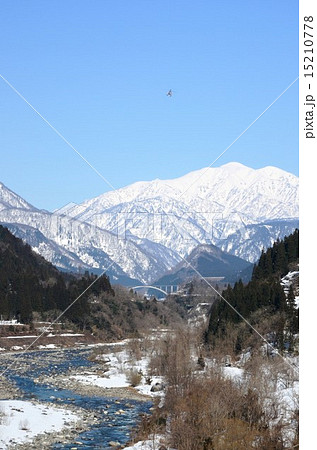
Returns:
(30, 286)
(29, 283)
(262, 301)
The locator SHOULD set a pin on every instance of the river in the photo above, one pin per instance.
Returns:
(108, 427)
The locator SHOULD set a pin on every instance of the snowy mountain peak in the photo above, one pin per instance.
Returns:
(145, 228)
(9, 199)
(258, 194)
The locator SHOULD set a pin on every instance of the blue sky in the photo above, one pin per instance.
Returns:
(99, 71)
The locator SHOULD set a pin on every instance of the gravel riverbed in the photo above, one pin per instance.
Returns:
(107, 415)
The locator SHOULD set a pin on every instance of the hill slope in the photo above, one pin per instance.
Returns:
(267, 301)
(29, 284)
(208, 261)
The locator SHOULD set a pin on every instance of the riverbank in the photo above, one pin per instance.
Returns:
(69, 382)
(113, 373)
(19, 341)
(65, 379)
(8, 390)
(112, 381)
(33, 425)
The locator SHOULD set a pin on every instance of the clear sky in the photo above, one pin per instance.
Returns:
(99, 72)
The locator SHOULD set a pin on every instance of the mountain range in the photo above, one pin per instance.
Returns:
(142, 231)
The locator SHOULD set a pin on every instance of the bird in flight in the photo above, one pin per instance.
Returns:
(170, 93)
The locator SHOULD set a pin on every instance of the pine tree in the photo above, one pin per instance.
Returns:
(268, 264)
(277, 297)
(292, 312)
(25, 312)
(259, 268)
(262, 292)
(280, 260)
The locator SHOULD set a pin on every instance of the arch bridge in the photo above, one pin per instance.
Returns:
(169, 289)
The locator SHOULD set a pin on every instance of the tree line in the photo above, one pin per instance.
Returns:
(29, 283)
(262, 297)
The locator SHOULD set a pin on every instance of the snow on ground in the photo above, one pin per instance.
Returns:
(145, 388)
(113, 380)
(23, 420)
(110, 344)
(289, 277)
(120, 364)
(288, 281)
(72, 334)
(143, 445)
(115, 377)
(235, 373)
(20, 337)
(149, 444)
(49, 335)
(48, 346)
(297, 301)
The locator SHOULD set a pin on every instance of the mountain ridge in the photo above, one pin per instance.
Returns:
(176, 186)
(143, 230)
(232, 196)
(208, 261)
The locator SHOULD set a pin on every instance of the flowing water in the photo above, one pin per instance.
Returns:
(109, 426)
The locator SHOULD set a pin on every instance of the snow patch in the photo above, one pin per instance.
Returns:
(23, 420)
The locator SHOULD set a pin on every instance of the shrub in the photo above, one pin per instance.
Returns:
(24, 425)
(134, 378)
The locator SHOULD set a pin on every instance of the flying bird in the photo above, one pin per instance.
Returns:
(170, 93)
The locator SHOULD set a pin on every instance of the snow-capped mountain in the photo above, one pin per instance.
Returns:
(256, 195)
(8, 199)
(143, 230)
(247, 242)
(204, 206)
(71, 244)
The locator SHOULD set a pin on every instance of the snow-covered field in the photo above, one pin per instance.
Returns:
(120, 365)
(21, 421)
(114, 380)
(149, 444)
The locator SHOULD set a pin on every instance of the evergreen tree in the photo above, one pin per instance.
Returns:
(292, 312)
(25, 312)
(280, 260)
(264, 291)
